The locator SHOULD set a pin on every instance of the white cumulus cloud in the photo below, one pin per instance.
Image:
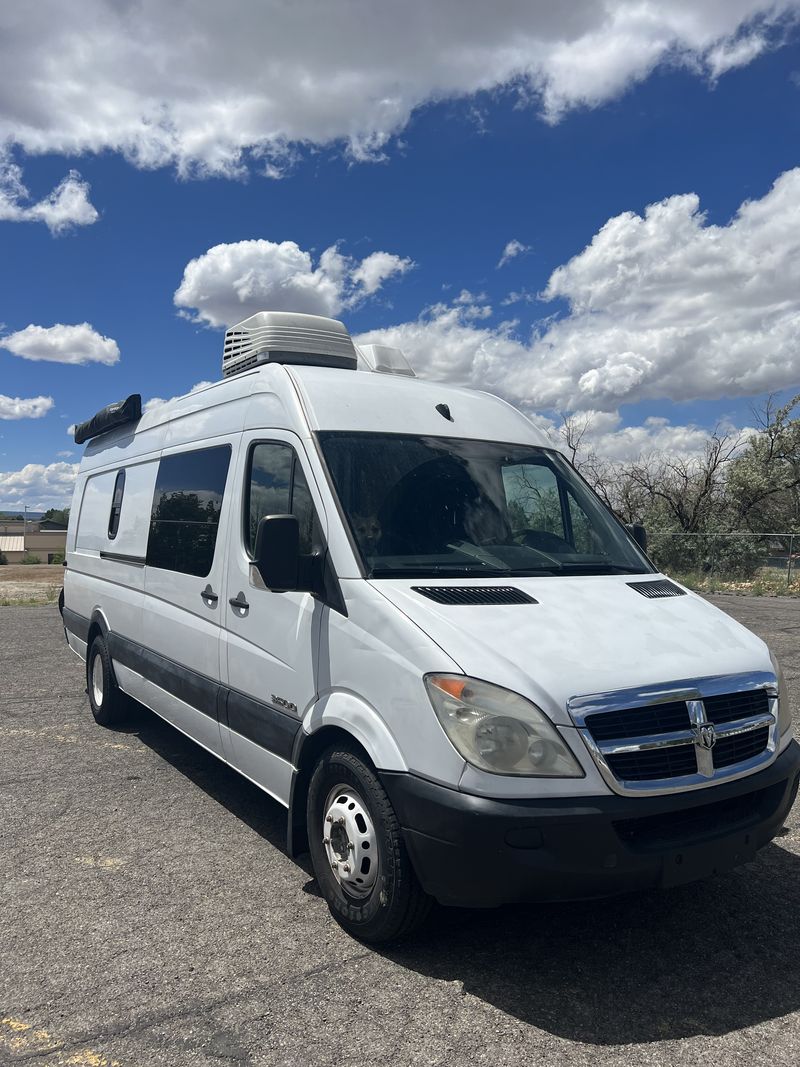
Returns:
(661, 306)
(67, 206)
(231, 281)
(15, 407)
(39, 486)
(513, 249)
(208, 86)
(62, 344)
(602, 432)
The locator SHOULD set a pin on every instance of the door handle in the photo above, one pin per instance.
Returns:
(209, 595)
(239, 602)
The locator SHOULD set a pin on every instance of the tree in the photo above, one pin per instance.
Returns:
(741, 482)
(59, 515)
(763, 482)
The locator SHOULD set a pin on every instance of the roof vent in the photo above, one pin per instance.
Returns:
(287, 337)
(385, 360)
(657, 590)
(475, 594)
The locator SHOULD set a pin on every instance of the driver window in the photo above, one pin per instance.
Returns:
(276, 485)
(533, 499)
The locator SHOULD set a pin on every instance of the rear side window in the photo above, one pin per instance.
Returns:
(187, 503)
(276, 485)
(116, 505)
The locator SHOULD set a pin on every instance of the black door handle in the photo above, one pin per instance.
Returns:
(239, 602)
(209, 595)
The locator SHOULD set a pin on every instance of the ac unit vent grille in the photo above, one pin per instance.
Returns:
(657, 590)
(482, 594)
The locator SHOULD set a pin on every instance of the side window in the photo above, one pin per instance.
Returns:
(533, 498)
(187, 503)
(116, 505)
(276, 485)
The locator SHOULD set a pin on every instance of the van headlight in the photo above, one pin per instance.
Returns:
(784, 711)
(497, 730)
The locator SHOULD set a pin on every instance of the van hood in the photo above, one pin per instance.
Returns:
(585, 634)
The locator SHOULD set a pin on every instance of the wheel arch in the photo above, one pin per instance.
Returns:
(98, 624)
(340, 718)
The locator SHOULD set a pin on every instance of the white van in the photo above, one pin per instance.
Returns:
(397, 609)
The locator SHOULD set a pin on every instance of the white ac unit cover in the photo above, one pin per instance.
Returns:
(287, 337)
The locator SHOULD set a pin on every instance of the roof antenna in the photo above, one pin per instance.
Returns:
(444, 411)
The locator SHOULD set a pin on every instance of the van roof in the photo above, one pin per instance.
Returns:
(388, 403)
(306, 399)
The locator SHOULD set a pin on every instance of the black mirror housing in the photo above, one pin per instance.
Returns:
(639, 534)
(277, 552)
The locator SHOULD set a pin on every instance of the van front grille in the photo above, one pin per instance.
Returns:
(675, 743)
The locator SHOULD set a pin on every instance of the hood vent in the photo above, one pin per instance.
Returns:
(474, 594)
(657, 590)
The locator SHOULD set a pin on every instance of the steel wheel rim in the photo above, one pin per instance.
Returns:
(350, 842)
(97, 680)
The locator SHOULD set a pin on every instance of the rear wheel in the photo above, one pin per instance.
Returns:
(357, 849)
(106, 699)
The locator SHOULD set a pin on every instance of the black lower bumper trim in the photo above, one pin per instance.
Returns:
(477, 852)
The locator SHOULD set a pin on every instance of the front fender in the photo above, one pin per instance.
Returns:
(353, 715)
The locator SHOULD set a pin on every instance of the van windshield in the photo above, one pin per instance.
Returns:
(427, 507)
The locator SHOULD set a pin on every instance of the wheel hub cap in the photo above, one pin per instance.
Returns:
(348, 836)
(97, 681)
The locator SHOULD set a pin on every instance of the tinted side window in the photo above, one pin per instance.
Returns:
(277, 486)
(116, 505)
(186, 508)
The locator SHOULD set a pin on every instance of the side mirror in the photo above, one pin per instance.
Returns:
(277, 554)
(639, 534)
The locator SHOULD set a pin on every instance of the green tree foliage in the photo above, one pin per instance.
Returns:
(690, 506)
(59, 515)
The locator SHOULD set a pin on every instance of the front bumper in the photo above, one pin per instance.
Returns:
(471, 851)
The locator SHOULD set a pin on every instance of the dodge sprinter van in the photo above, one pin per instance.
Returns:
(396, 608)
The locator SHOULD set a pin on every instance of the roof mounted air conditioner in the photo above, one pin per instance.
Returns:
(287, 337)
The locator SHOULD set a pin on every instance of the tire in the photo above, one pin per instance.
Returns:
(362, 837)
(106, 699)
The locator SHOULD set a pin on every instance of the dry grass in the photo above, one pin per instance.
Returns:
(34, 583)
(766, 582)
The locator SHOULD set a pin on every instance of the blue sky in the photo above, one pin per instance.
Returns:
(448, 185)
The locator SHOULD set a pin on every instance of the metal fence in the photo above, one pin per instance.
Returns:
(770, 559)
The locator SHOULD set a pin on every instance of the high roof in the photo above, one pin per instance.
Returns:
(307, 399)
(387, 403)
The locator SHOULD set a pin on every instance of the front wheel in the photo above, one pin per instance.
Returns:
(357, 849)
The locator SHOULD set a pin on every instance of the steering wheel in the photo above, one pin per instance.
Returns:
(539, 540)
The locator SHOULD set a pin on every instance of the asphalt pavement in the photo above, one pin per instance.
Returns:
(149, 915)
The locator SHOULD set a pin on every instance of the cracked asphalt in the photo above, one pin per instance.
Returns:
(150, 916)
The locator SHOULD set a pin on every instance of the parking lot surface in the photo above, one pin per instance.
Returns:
(149, 916)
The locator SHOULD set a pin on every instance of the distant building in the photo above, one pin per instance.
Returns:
(44, 539)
